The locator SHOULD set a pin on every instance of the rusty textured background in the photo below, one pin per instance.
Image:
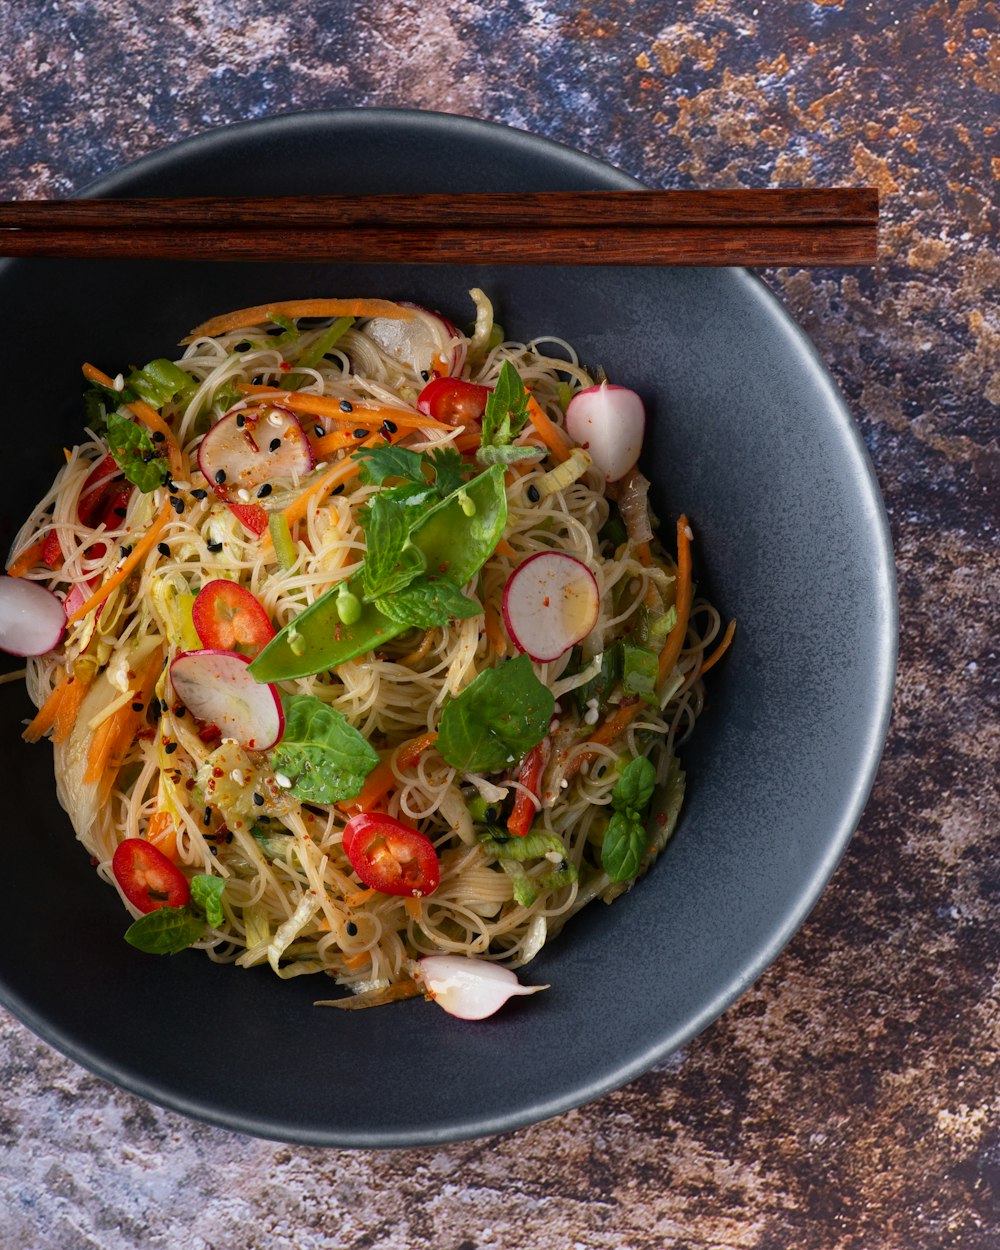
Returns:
(850, 1100)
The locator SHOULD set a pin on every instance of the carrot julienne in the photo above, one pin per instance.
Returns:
(242, 318)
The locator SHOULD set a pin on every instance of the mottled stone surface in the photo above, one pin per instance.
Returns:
(850, 1100)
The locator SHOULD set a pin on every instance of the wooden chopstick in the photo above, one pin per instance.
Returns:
(836, 226)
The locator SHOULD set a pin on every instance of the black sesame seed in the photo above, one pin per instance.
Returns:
(359, 433)
(240, 420)
(425, 375)
(338, 490)
(274, 444)
(163, 549)
(229, 837)
(178, 504)
(491, 815)
(180, 710)
(158, 436)
(121, 511)
(214, 850)
(602, 770)
(258, 799)
(137, 706)
(257, 379)
(533, 494)
(164, 705)
(346, 406)
(170, 747)
(214, 547)
(264, 491)
(171, 487)
(220, 476)
(318, 431)
(199, 494)
(242, 347)
(351, 929)
(126, 551)
(391, 426)
(207, 818)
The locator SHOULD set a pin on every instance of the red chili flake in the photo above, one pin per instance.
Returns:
(284, 366)
(217, 772)
(661, 820)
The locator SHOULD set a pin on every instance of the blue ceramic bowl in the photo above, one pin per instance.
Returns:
(748, 436)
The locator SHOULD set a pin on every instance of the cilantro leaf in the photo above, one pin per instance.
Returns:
(450, 470)
(623, 845)
(206, 894)
(634, 788)
(323, 755)
(496, 719)
(506, 408)
(135, 452)
(427, 603)
(375, 464)
(166, 930)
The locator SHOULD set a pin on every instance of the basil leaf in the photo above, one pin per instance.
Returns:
(166, 930)
(375, 464)
(640, 672)
(206, 894)
(427, 603)
(387, 526)
(623, 845)
(506, 408)
(135, 452)
(496, 719)
(324, 757)
(634, 788)
(508, 455)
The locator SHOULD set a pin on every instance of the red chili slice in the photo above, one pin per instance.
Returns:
(390, 856)
(147, 878)
(227, 615)
(104, 490)
(252, 515)
(530, 776)
(453, 401)
(52, 550)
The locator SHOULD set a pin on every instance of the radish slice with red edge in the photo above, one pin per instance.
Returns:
(470, 989)
(550, 603)
(251, 446)
(32, 619)
(217, 688)
(610, 422)
(420, 342)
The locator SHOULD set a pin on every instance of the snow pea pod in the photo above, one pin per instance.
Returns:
(448, 541)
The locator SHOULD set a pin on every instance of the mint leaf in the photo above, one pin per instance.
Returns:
(206, 894)
(135, 452)
(323, 756)
(425, 604)
(640, 672)
(506, 408)
(166, 930)
(387, 526)
(497, 719)
(634, 788)
(623, 845)
(375, 464)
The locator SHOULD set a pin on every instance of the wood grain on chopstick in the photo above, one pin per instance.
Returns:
(835, 226)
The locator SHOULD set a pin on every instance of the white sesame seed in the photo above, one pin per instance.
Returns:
(554, 857)
(564, 783)
(244, 495)
(119, 382)
(237, 776)
(590, 716)
(283, 781)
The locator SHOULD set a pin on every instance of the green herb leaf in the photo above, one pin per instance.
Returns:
(634, 788)
(159, 382)
(375, 464)
(426, 604)
(450, 470)
(206, 894)
(166, 930)
(640, 672)
(135, 452)
(497, 719)
(324, 757)
(508, 455)
(603, 683)
(506, 408)
(623, 845)
(387, 527)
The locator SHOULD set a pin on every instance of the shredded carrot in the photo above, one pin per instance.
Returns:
(292, 308)
(418, 653)
(469, 441)
(410, 752)
(643, 554)
(505, 549)
(370, 416)
(27, 559)
(720, 650)
(45, 717)
(357, 897)
(382, 778)
(116, 734)
(619, 721)
(550, 433)
(69, 707)
(137, 555)
(362, 957)
(329, 443)
(148, 416)
(414, 908)
(494, 631)
(337, 473)
(162, 834)
(100, 747)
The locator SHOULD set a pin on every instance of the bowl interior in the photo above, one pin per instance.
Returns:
(748, 436)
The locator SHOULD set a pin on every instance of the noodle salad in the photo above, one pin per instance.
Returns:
(357, 648)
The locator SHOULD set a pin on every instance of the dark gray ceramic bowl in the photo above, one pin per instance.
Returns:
(748, 435)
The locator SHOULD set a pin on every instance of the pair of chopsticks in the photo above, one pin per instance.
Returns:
(836, 226)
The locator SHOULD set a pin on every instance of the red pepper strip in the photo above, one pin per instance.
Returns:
(530, 776)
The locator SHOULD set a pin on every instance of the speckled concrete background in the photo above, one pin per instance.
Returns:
(850, 1100)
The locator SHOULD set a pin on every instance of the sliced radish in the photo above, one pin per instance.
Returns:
(550, 602)
(32, 619)
(246, 448)
(609, 422)
(470, 989)
(217, 688)
(427, 342)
